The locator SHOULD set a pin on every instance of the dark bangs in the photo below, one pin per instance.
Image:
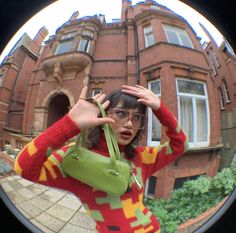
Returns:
(127, 101)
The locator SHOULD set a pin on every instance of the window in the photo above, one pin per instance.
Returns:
(177, 35)
(1, 76)
(96, 91)
(87, 33)
(221, 96)
(215, 58)
(84, 45)
(64, 47)
(150, 187)
(154, 126)
(179, 182)
(226, 90)
(148, 36)
(69, 35)
(212, 64)
(193, 111)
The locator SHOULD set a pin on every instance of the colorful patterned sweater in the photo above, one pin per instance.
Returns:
(40, 162)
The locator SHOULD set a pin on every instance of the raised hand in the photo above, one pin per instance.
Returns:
(145, 96)
(85, 113)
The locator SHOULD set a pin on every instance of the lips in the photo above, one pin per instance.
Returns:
(126, 134)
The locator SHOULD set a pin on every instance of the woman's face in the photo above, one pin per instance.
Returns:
(127, 123)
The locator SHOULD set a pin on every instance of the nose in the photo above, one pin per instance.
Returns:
(128, 123)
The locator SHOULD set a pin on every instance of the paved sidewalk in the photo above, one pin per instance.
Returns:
(51, 210)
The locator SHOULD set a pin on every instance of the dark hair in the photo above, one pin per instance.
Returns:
(128, 102)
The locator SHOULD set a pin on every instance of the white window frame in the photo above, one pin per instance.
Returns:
(68, 35)
(148, 32)
(221, 96)
(87, 47)
(87, 32)
(178, 31)
(195, 97)
(226, 90)
(63, 51)
(96, 91)
(152, 196)
(150, 142)
(212, 64)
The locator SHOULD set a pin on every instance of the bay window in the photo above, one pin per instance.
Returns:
(193, 111)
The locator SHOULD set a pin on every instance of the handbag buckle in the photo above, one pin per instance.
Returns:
(113, 172)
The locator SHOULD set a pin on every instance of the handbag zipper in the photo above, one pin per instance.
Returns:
(139, 186)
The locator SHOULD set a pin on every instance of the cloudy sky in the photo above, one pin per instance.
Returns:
(60, 11)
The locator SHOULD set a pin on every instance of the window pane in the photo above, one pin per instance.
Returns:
(83, 45)
(191, 87)
(155, 87)
(172, 37)
(64, 47)
(185, 40)
(150, 39)
(156, 129)
(201, 120)
(186, 116)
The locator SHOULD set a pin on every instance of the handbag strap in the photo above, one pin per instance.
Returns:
(112, 145)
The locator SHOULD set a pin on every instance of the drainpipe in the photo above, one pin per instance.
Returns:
(137, 53)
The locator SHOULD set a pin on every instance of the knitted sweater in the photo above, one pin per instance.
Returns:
(40, 162)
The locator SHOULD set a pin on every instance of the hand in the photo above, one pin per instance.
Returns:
(145, 96)
(85, 113)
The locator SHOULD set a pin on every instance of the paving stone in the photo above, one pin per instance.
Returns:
(82, 220)
(16, 184)
(16, 197)
(25, 182)
(36, 189)
(30, 209)
(53, 195)
(50, 222)
(74, 229)
(41, 227)
(70, 201)
(6, 187)
(26, 193)
(41, 202)
(61, 212)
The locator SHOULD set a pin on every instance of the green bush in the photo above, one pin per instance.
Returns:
(4, 167)
(194, 198)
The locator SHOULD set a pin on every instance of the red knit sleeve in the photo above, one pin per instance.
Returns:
(154, 158)
(40, 159)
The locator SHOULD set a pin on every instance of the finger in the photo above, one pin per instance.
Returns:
(83, 92)
(101, 98)
(132, 88)
(97, 96)
(105, 120)
(140, 87)
(131, 92)
(106, 104)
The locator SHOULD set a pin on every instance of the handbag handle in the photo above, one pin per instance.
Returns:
(112, 145)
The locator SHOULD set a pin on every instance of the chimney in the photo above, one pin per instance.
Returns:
(40, 36)
(125, 5)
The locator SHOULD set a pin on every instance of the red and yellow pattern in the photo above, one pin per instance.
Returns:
(125, 213)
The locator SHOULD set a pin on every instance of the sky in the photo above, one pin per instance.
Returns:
(60, 11)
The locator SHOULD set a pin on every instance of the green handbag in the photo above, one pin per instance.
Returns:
(108, 174)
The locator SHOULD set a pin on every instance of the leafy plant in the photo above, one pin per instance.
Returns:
(4, 167)
(194, 198)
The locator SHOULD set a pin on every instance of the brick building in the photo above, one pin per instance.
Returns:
(151, 46)
(222, 61)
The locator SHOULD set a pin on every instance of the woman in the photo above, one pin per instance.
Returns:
(125, 110)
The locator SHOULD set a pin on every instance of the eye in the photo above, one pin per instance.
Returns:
(121, 113)
(137, 117)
